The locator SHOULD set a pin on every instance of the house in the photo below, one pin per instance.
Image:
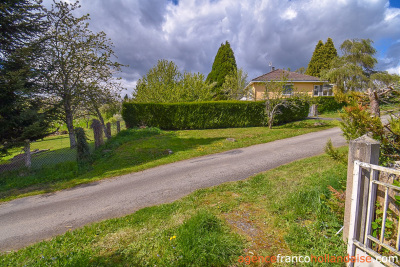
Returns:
(295, 82)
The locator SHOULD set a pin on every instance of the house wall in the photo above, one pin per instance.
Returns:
(305, 87)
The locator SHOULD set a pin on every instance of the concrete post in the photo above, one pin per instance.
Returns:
(108, 125)
(28, 156)
(118, 126)
(364, 149)
(97, 132)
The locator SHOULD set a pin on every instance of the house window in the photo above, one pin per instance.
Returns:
(327, 90)
(287, 89)
(316, 90)
(323, 90)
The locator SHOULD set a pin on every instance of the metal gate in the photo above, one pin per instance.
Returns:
(367, 242)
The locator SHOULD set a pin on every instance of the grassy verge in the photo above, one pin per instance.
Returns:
(283, 211)
(139, 149)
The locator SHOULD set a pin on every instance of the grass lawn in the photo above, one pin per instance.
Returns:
(282, 211)
(331, 114)
(139, 149)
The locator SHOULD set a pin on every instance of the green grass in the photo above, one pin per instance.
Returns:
(282, 211)
(330, 114)
(136, 150)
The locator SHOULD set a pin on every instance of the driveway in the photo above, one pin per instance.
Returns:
(28, 220)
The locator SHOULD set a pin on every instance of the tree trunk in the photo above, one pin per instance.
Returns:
(69, 119)
(374, 103)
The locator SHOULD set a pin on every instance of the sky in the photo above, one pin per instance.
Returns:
(281, 32)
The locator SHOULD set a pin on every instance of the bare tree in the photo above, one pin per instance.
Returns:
(277, 95)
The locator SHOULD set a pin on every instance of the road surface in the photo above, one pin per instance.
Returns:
(31, 219)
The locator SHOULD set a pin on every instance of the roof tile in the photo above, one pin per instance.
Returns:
(277, 75)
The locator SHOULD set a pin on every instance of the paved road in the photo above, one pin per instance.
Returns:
(28, 220)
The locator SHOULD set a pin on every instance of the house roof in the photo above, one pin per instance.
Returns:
(277, 75)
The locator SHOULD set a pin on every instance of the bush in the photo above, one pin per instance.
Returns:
(205, 115)
(327, 103)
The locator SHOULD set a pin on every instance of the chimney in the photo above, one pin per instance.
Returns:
(273, 68)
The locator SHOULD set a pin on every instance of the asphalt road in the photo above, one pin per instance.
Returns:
(31, 219)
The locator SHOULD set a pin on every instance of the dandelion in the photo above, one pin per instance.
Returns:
(172, 237)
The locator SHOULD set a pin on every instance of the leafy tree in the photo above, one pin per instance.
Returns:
(159, 83)
(301, 70)
(234, 87)
(279, 94)
(165, 83)
(362, 88)
(192, 87)
(78, 63)
(22, 111)
(224, 64)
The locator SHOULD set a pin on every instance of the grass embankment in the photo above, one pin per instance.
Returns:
(282, 211)
(139, 149)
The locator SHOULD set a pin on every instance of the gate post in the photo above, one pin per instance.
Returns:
(364, 149)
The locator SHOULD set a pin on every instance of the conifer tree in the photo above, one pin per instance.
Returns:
(329, 53)
(314, 66)
(22, 112)
(224, 64)
(321, 58)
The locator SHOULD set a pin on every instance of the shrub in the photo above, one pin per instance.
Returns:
(204, 115)
(327, 103)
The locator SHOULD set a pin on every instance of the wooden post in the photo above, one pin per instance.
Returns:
(364, 149)
(118, 126)
(97, 132)
(28, 156)
(108, 125)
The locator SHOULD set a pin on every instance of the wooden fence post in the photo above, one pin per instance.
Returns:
(364, 149)
(97, 132)
(28, 156)
(118, 126)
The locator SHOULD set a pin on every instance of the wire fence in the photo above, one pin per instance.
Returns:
(50, 151)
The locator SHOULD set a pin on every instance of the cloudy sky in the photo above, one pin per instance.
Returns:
(283, 32)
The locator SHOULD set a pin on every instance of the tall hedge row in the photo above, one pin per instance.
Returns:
(204, 115)
(327, 103)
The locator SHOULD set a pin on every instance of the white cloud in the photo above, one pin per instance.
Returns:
(394, 70)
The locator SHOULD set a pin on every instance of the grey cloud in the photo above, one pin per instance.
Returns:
(191, 32)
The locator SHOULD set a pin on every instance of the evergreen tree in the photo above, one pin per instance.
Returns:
(224, 64)
(314, 67)
(321, 58)
(22, 109)
(329, 53)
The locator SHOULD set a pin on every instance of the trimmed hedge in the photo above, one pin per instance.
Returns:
(205, 115)
(327, 103)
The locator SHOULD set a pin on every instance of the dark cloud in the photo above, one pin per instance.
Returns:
(283, 32)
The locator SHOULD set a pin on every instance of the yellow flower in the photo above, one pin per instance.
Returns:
(172, 237)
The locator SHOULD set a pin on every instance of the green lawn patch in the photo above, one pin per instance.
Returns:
(134, 150)
(282, 211)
